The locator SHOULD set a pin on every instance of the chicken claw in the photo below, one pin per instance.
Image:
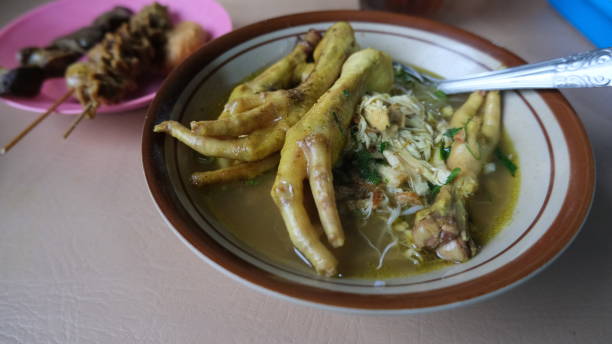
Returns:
(258, 113)
(241, 171)
(444, 227)
(313, 145)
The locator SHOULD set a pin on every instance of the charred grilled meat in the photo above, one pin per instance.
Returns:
(84, 39)
(56, 57)
(23, 81)
(40, 63)
(116, 63)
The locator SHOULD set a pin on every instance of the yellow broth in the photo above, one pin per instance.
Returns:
(245, 209)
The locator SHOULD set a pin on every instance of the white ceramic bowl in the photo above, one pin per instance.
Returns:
(555, 160)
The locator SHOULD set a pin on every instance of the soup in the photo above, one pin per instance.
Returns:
(420, 180)
(247, 211)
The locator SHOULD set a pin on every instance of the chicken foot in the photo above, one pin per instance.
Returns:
(269, 114)
(444, 226)
(313, 145)
(281, 75)
(241, 171)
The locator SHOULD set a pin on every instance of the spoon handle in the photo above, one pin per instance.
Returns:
(587, 69)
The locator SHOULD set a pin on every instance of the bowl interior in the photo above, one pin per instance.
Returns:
(530, 121)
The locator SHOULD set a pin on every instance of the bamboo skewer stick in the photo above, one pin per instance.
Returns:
(34, 123)
(76, 122)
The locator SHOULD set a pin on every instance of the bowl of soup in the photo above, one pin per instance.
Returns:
(298, 156)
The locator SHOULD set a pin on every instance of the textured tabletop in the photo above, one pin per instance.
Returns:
(86, 258)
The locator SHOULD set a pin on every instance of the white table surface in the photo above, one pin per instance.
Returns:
(86, 258)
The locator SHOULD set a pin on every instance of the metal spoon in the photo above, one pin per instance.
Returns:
(587, 69)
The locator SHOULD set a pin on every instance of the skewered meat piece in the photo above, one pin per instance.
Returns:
(56, 57)
(25, 81)
(39, 63)
(111, 20)
(77, 42)
(116, 63)
(85, 38)
(51, 61)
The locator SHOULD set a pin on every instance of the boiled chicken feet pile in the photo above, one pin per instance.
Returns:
(259, 112)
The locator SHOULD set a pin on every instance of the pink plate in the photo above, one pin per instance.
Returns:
(45, 23)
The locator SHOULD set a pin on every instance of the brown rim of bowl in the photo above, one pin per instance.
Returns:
(560, 234)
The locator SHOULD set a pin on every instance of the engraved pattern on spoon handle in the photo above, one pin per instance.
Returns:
(588, 69)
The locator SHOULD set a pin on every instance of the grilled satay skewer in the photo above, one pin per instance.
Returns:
(181, 41)
(36, 64)
(115, 64)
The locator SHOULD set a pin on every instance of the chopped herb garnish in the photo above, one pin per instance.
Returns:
(434, 189)
(452, 132)
(445, 152)
(467, 141)
(366, 167)
(453, 175)
(505, 160)
(363, 158)
(383, 146)
(373, 177)
(252, 181)
(346, 93)
(441, 95)
(404, 77)
(477, 157)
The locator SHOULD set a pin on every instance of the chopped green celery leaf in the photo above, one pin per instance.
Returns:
(445, 152)
(363, 157)
(346, 93)
(404, 77)
(252, 181)
(434, 189)
(383, 146)
(366, 167)
(440, 95)
(467, 141)
(454, 173)
(477, 157)
(452, 132)
(373, 177)
(503, 158)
